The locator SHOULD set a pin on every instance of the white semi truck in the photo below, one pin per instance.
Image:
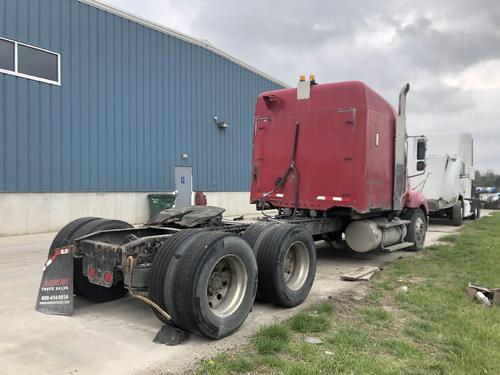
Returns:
(448, 176)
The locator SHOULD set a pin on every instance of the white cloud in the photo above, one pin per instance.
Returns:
(174, 14)
(483, 76)
(449, 50)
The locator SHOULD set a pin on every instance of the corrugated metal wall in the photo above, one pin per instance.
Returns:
(132, 101)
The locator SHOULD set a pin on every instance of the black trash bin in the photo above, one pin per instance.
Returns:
(159, 202)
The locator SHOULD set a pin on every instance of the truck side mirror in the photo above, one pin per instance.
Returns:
(421, 148)
(420, 165)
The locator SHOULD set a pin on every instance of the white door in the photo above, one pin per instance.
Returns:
(184, 186)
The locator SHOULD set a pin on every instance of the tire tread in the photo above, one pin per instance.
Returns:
(254, 231)
(269, 257)
(411, 214)
(185, 280)
(159, 268)
(65, 235)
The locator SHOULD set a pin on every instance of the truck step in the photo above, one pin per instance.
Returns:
(396, 247)
(393, 223)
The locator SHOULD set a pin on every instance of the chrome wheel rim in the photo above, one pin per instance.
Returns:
(296, 265)
(227, 285)
(420, 229)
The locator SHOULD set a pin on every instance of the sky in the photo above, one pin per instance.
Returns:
(449, 51)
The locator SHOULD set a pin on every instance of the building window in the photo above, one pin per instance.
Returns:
(6, 55)
(30, 62)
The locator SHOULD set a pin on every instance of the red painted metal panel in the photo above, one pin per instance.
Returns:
(344, 148)
(415, 199)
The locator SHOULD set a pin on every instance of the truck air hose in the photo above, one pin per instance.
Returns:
(130, 261)
(291, 168)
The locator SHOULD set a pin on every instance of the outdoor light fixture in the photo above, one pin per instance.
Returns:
(221, 124)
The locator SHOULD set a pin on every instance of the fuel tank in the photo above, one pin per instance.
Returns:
(366, 235)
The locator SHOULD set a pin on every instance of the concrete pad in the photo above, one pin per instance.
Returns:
(117, 337)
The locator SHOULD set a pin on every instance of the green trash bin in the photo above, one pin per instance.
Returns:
(160, 202)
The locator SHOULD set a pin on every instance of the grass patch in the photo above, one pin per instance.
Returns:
(224, 364)
(433, 328)
(271, 339)
(401, 348)
(270, 361)
(324, 308)
(295, 368)
(303, 351)
(451, 238)
(348, 338)
(240, 364)
(308, 323)
(376, 316)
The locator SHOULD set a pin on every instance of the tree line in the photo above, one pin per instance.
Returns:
(487, 179)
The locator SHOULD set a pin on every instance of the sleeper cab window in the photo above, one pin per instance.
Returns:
(29, 62)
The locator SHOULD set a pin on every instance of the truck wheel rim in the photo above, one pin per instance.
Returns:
(227, 285)
(420, 229)
(296, 265)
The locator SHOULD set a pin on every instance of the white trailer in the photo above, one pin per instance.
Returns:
(448, 176)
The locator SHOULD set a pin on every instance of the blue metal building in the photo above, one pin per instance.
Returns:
(93, 99)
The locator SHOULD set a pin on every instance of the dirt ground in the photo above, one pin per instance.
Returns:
(117, 336)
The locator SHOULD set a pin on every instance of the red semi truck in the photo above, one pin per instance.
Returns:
(338, 152)
(330, 158)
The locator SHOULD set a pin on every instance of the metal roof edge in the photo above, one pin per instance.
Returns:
(176, 34)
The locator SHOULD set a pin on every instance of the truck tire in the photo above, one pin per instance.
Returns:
(417, 229)
(287, 265)
(163, 265)
(255, 231)
(476, 214)
(65, 236)
(457, 214)
(214, 285)
(254, 236)
(82, 286)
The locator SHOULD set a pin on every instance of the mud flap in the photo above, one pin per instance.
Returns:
(55, 295)
(170, 335)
